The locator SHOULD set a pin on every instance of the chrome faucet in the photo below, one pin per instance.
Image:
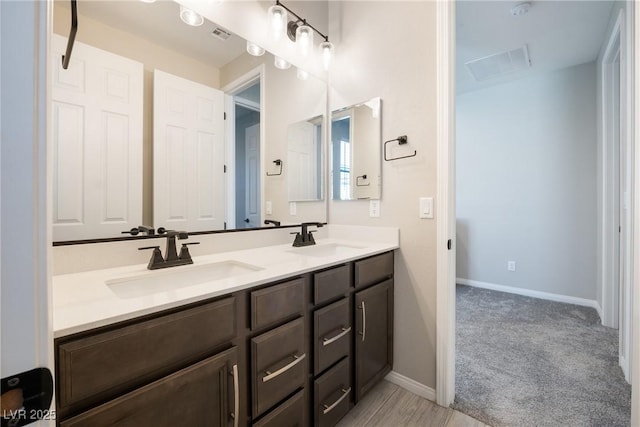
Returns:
(171, 257)
(305, 238)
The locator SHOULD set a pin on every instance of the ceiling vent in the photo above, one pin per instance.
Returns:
(221, 33)
(499, 64)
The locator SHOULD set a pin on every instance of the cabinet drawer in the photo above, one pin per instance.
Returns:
(276, 303)
(201, 395)
(104, 364)
(278, 364)
(288, 414)
(373, 270)
(332, 395)
(332, 334)
(331, 283)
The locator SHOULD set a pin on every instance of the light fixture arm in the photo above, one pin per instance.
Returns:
(300, 19)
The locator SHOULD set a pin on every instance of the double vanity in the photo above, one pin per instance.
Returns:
(265, 336)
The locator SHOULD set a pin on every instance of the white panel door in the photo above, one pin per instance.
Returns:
(302, 164)
(188, 154)
(97, 143)
(252, 177)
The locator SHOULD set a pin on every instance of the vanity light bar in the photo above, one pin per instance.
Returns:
(279, 3)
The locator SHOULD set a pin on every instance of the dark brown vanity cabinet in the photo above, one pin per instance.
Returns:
(173, 368)
(373, 322)
(296, 353)
(203, 394)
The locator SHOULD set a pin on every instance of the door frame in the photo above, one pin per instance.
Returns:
(445, 284)
(230, 89)
(616, 252)
(27, 333)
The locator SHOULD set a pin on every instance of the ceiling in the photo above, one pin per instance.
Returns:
(558, 34)
(160, 22)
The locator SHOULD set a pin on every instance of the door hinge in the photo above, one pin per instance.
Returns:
(225, 168)
(225, 115)
(225, 225)
(449, 244)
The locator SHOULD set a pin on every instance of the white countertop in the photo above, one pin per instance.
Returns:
(83, 301)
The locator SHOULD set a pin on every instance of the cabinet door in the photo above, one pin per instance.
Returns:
(204, 394)
(374, 337)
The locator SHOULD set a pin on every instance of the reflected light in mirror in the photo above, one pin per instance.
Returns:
(190, 17)
(254, 49)
(302, 74)
(281, 63)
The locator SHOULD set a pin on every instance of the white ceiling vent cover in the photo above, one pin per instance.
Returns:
(499, 64)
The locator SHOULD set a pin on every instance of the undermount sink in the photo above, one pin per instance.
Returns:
(324, 250)
(152, 282)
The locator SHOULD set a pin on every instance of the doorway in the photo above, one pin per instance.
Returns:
(446, 210)
(244, 151)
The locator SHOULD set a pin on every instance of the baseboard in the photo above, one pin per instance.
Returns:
(411, 385)
(534, 294)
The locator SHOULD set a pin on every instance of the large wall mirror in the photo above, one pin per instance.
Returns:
(355, 151)
(163, 124)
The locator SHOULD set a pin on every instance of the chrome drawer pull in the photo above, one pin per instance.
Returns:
(327, 341)
(271, 375)
(236, 396)
(328, 409)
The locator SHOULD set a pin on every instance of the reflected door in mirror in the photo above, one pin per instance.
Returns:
(304, 159)
(188, 151)
(97, 143)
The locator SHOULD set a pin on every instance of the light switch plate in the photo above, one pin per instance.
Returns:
(293, 208)
(374, 208)
(268, 208)
(426, 207)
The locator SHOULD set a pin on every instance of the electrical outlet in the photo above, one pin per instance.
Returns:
(293, 209)
(374, 208)
(268, 208)
(511, 265)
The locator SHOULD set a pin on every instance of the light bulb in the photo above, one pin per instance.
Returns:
(304, 39)
(278, 20)
(190, 17)
(281, 63)
(326, 49)
(302, 74)
(254, 49)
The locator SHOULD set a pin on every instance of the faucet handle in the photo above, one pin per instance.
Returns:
(184, 252)
(156, 257)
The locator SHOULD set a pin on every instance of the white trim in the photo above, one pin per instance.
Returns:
(609, 263)
(531, 293)
(635, 292)
(411, 385)
(445, 205)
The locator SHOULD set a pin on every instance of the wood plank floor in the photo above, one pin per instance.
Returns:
(388, 405)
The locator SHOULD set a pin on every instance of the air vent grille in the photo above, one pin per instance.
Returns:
(221, 33)
(499, 64)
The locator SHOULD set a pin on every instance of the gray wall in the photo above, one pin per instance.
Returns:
(526, 183)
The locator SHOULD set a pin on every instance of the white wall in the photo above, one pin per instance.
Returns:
(376, 56)
(526, 183)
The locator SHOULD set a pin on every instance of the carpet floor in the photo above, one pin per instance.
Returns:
(524, 361)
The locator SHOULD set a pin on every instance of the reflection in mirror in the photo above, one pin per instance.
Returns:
(304, 157)
(355, 151)
(108, 177)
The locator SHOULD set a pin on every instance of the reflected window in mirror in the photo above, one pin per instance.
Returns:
(355, 151)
